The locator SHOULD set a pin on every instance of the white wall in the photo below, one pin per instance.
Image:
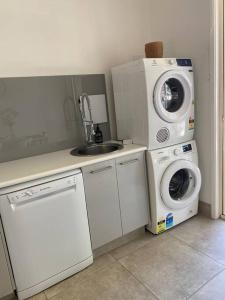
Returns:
(43, 37)
(184, 27)
(70, 37)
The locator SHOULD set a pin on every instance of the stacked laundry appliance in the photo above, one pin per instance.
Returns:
(154, 103)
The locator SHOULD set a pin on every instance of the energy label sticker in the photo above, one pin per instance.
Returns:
(169, 220)
(161, 226)
(191, 124)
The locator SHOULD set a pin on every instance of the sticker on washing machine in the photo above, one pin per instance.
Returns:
(191, 124)
(169, 220)
(161, 226)
(191, 121)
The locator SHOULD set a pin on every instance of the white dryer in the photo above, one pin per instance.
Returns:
(154, 101)
(175, 182)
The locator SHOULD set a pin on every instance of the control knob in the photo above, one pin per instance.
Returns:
(177, 152)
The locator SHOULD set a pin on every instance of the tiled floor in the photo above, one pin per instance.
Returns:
(187, 262)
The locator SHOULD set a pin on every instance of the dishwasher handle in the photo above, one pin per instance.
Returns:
(41, 190)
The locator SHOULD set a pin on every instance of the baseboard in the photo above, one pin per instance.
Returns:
(204, 209)
(118, 242)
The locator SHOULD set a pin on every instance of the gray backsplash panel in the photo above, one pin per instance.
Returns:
(41, 114)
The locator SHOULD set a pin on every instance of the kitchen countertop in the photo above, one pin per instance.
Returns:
(35, 167)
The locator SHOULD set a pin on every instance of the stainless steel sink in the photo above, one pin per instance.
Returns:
(96, 149)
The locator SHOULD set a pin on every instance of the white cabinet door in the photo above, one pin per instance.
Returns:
(133, 191)
(5, 281)
(102, 202)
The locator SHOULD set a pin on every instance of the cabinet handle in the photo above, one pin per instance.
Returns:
(101, 170)
(124, 163)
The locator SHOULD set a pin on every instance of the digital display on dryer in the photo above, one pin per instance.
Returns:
(184, 62)
(187, 148)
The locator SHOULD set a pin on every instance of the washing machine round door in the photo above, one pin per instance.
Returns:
(173, 95)
(180, 184)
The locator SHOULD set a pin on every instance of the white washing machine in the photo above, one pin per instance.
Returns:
(175, 182)
(154, 101)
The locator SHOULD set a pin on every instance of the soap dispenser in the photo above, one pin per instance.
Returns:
(98, 135)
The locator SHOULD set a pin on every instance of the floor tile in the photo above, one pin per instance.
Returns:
(213, 290)
(170, 268)
(112, 282)
(203, 234)
(132, 246)
(99, 263)
(40, 296)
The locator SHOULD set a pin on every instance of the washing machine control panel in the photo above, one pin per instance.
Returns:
(182, 149)
(187, 148)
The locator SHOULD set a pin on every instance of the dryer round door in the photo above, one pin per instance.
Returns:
(180, 184)
(173, 96)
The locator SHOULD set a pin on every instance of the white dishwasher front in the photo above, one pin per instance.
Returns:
(47, 232)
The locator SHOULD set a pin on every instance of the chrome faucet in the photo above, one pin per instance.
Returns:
(88, 124)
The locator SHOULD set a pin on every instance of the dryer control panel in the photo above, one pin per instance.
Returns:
(184, 62)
